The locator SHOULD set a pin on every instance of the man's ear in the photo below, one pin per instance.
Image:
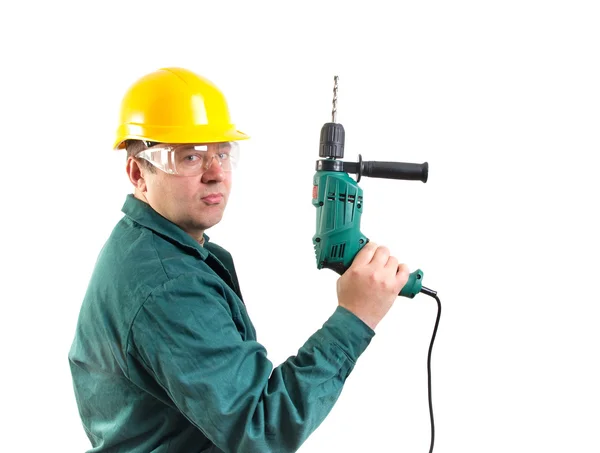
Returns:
(136, 174)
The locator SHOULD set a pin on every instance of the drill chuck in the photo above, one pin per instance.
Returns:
(331, 145)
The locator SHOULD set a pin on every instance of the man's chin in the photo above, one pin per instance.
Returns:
(210, 221)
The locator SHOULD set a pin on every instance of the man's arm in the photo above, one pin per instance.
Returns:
(186, 337)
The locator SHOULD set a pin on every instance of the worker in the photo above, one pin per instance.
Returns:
(165, 357)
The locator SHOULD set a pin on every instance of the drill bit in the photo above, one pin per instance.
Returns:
(335, 90)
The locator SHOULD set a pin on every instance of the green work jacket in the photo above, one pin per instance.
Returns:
(165, 357)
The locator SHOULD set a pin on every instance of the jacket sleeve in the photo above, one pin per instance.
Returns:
(185, 336)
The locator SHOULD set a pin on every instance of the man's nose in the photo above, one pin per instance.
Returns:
(213, 170)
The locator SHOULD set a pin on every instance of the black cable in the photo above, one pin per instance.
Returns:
(433, 294)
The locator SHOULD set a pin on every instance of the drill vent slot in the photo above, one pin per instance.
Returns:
(351, 198)
(338, 250)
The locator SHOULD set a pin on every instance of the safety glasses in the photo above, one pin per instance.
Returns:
(191, 159)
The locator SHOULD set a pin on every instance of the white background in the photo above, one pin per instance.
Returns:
(501, 98)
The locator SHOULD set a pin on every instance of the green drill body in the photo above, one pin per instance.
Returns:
(339, 202)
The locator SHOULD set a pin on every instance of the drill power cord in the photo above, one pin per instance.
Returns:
(433, 294)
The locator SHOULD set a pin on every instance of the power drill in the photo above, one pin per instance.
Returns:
(339, 200)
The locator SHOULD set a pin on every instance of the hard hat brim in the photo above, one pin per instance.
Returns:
(197, 134)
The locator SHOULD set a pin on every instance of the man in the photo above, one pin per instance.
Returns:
(165, 357)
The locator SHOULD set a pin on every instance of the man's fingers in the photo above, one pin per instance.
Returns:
(365, 255)
(392, 264)
(402, 274)
(403, 268)
(381, 256)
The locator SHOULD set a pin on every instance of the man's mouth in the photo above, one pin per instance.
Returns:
(213, 198)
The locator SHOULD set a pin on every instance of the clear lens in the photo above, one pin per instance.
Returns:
(192, 160)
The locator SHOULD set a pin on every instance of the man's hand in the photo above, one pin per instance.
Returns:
(371, 284)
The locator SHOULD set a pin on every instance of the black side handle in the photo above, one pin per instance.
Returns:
(395, 170)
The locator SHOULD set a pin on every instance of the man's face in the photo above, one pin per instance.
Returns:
(195, 203)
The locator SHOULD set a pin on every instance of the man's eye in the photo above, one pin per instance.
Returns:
(223, 156)
(192, 158)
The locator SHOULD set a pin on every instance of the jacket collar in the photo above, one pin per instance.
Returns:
(142, 213)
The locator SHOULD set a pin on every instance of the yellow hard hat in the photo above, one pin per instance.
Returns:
(175, 105)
